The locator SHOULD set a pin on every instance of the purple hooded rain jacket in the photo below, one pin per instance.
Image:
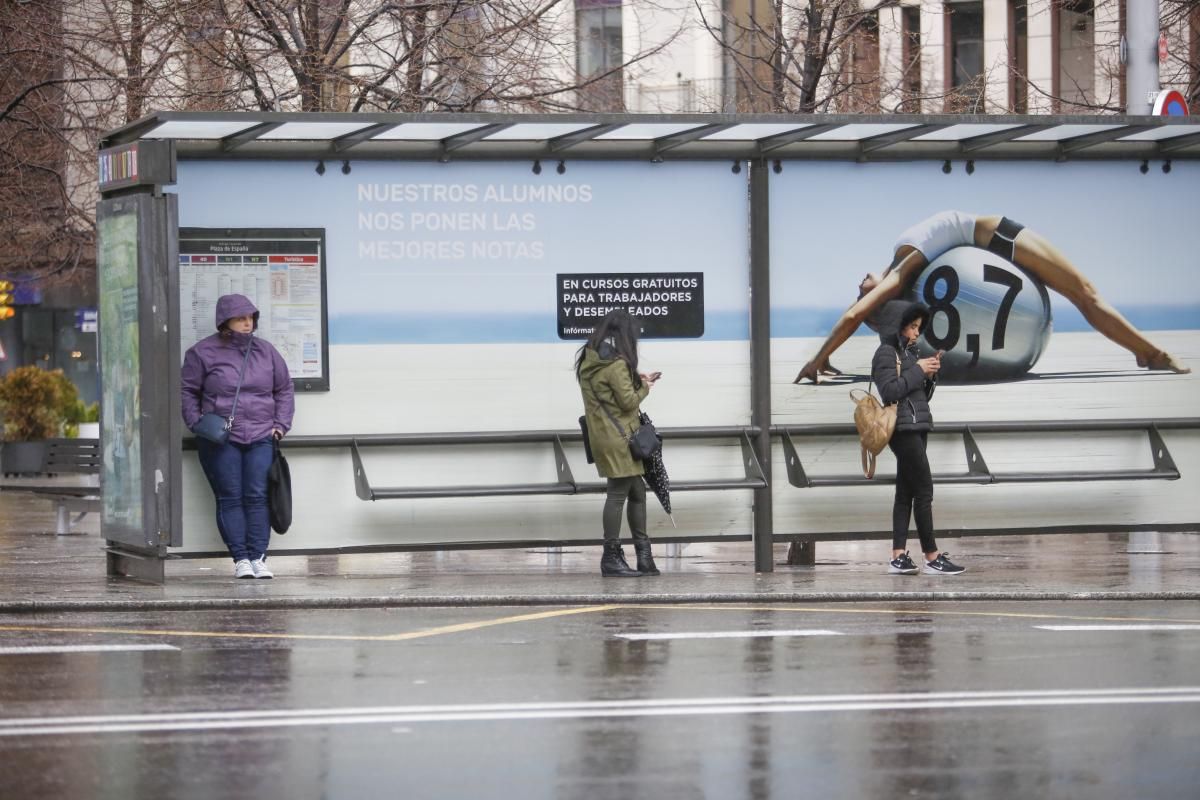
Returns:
(210, 377)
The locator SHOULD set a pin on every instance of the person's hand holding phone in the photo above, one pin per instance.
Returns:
(650, 379)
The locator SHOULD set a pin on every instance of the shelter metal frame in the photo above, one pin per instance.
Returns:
(760, 139)
(655, 137)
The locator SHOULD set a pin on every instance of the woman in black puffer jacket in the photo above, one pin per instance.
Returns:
(908, 382)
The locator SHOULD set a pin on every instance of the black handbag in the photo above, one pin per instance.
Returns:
(214, 427)
(587, 440)
(279, 491)
(644, 442)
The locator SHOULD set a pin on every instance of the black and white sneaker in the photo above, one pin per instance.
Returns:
(942, 565)
(902, 565)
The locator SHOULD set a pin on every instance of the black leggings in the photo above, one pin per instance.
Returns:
(914, 490)
(633, 488)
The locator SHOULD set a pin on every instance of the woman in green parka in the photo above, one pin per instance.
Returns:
(612, 388)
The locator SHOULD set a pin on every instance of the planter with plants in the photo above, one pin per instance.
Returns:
(34, 407)
(82, 421)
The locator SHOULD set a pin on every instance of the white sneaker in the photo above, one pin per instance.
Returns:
(243, 569)
(259, 565)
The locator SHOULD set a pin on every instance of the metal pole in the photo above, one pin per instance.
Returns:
(1141, 80)
(760, 357)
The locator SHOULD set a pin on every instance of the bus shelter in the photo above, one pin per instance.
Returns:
(429, 278)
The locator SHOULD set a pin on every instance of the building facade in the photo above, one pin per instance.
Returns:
(912, 56)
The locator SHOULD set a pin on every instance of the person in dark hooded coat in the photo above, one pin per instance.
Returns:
(237, 470)
(908, 382)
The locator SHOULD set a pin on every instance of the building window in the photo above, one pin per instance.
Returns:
(599, 54)
(863, 80)
(1076, 52)
(965, 22)
(1018, 55)
(749, 66)
(910, 57)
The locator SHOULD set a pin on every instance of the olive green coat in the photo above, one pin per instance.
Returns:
(608, 381)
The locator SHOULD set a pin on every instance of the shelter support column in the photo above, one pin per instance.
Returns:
(760, 357)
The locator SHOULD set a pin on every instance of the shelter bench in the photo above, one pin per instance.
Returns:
(977, 470)
(802, 549)
(565, 482)
(69, 456)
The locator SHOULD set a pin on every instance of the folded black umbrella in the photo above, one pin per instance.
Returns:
(656, 478)
(279, 492)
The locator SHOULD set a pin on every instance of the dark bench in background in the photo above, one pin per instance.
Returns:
(66, 457)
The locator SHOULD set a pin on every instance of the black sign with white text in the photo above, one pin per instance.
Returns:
(670, 305)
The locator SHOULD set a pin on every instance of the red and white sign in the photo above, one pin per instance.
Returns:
(1170, 103)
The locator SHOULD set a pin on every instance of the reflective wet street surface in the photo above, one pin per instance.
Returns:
(945, 699)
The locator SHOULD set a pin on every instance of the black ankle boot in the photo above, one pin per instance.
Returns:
(612, 563)
(645, 559)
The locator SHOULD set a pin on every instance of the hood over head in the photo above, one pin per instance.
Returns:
(235, 305)
(914, 311)
(886, 319)
(594, 361)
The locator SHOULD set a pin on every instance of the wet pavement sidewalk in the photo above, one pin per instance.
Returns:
(42, 572)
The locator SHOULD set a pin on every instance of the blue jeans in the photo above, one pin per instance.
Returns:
(238, 476)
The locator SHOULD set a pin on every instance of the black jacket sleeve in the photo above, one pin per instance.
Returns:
(892, 387)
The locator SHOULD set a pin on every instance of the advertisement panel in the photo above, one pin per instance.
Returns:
(120, 369)
(457, 297)
(1056, 291)
(471, 253)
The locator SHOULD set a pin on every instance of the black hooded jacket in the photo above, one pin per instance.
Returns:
(909, 389)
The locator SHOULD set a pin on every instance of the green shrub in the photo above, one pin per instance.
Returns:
(31, 403)
(41, 404)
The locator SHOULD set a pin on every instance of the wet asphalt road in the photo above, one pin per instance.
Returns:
(941, 700)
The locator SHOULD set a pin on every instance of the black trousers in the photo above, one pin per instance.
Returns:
(914, 490)
(632, 488)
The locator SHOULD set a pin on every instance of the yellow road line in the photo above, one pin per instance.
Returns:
(394, 637)
(470, 626)
(894, 611)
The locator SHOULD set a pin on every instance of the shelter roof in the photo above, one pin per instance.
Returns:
(676, 137)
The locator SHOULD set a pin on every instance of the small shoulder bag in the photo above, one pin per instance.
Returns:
(875, 423)
(214, 427)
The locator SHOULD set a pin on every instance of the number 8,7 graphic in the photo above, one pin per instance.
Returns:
(947, 277)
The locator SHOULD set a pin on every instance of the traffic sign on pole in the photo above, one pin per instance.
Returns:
(1170, 103)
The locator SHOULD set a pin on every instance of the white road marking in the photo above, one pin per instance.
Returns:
(83, 648)
(656, 637)
(790, 704)
(1167, 627)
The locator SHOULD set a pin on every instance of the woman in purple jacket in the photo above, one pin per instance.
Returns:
(237, 470)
